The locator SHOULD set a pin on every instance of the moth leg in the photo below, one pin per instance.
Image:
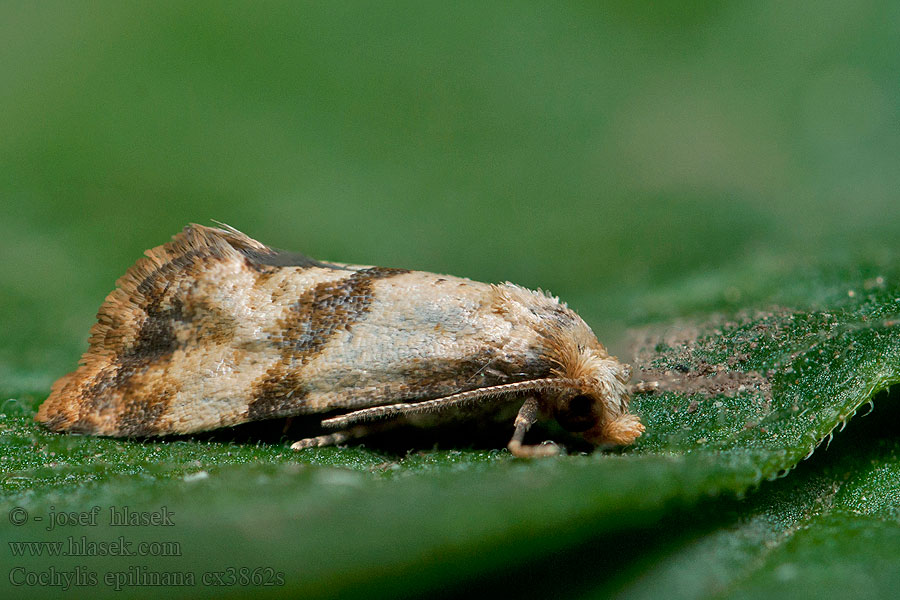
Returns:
(332, 439)
(528, 416)
(339, 437)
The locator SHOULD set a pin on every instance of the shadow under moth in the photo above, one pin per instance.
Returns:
(214, 329)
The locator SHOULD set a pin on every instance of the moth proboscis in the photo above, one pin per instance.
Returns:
(214, 329)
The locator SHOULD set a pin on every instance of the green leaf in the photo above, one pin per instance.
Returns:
(833, 525)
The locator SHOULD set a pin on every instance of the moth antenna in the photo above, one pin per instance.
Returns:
(497, 391)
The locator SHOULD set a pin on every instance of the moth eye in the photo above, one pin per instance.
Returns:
(577, 415)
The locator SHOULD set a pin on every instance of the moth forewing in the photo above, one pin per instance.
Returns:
(214, 329)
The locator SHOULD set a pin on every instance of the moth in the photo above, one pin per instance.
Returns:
(214, 329)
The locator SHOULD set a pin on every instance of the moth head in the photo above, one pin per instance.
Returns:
(587, 391)
(591, 397)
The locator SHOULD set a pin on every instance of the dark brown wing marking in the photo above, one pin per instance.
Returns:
(277, 393)
(312, 321)
(137, 331)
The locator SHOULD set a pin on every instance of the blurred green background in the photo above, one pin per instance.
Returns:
(598, 150)
(642, 160)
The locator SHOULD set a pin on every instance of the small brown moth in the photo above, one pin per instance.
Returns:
(214, 329)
